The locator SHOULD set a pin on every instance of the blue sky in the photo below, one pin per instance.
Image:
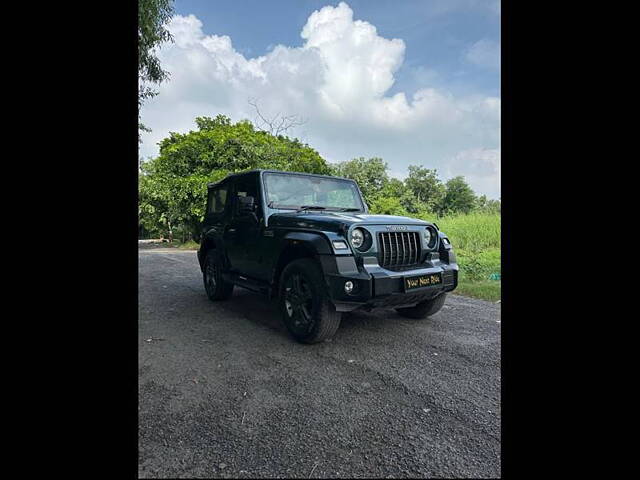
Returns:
(437, 33)
(444, 64)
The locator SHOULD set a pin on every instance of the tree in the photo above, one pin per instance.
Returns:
(426, 187)
(153, 15)
(387, 206)
(173, 186)
(276, 125)
(487, 205)
(371, 175)
(458, 197)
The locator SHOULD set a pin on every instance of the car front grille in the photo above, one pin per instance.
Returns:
(398, 250)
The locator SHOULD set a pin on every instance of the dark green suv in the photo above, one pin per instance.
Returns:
(309, 241)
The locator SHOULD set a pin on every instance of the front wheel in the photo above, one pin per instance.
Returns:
(424, 309)
(214, 284)
(306, 308)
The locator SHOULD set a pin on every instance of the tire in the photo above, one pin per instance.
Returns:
(216, 288)
(304, 302)
(424, 309)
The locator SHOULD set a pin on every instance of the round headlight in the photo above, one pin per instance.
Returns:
(357, 237)
(430, 237)
(427, 236)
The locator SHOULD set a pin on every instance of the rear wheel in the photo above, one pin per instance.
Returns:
(216, 287)
(424, 309)
(306, 308)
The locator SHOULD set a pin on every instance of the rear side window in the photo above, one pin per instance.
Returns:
(217, 199)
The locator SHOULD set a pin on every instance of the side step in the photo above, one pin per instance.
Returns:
(252, 284)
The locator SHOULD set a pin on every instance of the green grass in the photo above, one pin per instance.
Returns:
(490, 290)
(476, 240)
(472, 232)
(188, 245)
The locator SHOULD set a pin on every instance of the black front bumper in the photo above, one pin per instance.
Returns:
(376, 287)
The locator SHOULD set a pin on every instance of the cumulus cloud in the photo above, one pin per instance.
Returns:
(481, 167)
(337, 80)
(485, 53)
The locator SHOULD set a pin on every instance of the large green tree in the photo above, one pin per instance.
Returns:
(153, 15)
(393, 199)
(458, 197)
(173, 186)
(426, 187)
(370, 174)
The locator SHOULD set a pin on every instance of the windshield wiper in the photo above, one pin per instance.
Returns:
(311, 207)
(280, 206)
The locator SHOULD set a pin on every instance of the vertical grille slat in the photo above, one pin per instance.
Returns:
(405, 238)
(411, 247)
(410, 243)
(398, 249)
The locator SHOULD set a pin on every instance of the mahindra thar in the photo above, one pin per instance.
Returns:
(309, 241)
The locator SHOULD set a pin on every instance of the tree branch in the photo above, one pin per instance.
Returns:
(277, 125)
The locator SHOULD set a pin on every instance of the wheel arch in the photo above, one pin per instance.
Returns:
(297, 245)
(208, 243)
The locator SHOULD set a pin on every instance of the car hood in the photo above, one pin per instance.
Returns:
(335, 221)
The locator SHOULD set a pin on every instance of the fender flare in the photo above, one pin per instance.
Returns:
(318, 243)
(207, 240)
(315, 244)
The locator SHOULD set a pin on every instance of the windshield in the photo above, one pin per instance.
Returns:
(301, 191)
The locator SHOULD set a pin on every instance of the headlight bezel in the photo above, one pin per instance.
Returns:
(432, 243)
(367, 239)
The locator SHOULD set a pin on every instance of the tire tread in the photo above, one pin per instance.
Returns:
(328, 318)
(224, 290)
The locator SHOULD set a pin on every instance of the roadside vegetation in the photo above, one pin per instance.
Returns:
(173, 189)
(476, 241)
(188, 245)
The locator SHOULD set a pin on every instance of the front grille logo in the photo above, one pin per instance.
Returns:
(396, 227)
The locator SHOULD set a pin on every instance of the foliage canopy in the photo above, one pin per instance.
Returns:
(153, 15)
(173, 186)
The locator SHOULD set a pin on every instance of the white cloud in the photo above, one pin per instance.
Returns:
(337, 80)
(481, 169)
(484, 53)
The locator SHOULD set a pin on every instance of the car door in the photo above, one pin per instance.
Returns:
(217, 213)
(243, 233)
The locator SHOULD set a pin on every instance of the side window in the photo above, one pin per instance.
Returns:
(217, 199)
(247, 188)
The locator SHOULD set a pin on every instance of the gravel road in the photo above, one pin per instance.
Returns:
(225, 392)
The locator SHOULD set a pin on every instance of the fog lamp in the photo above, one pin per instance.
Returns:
(348, 286)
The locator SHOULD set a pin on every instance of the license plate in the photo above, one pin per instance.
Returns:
(411, 283)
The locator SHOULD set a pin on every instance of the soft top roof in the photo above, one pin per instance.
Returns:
(259, 170)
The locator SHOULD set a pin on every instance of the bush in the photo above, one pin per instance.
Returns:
(472, 232)
(476, 240)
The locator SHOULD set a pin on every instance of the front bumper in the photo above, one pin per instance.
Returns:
(378, 287)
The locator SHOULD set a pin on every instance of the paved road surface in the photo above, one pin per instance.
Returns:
(225, 392)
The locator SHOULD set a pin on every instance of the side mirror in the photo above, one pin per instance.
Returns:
(246, 204)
